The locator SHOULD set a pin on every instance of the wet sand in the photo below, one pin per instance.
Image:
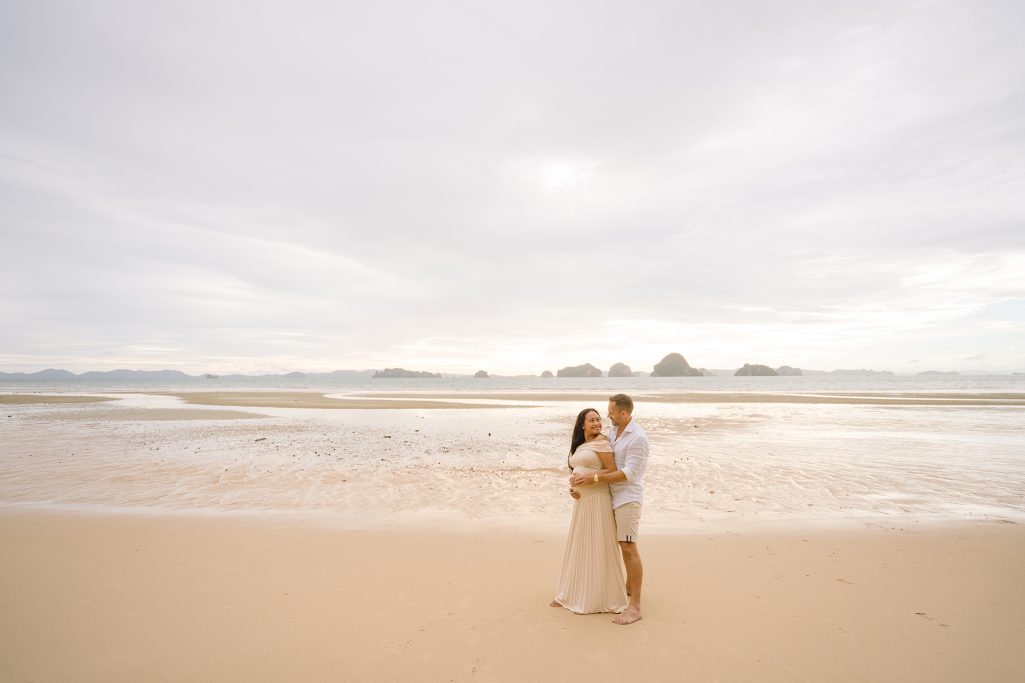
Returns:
(714, 467)
(116, 414)
(130, 598)
(33, 399)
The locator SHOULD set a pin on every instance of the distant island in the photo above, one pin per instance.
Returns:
(755, 371)
(620, 370)
(585, 370)
(52, 375)
(675, 365)
(48, 375)
(401, 373)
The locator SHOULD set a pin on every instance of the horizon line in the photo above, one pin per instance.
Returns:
(218, 375)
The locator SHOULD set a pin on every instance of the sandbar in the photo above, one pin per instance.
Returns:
(307, 399)
(30, 399)
(152, 415)
(128, 597)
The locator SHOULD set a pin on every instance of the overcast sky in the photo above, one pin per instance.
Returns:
(516, 187)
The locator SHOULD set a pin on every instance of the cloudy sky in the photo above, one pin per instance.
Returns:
(220, 186)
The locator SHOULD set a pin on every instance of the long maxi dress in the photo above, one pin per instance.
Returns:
(592, 575)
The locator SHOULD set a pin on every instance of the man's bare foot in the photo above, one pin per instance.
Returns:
(629, 616)
(555, 603)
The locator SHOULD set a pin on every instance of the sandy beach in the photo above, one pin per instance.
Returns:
(272, 536)
(130, 598)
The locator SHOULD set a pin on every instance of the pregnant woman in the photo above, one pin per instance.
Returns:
(592, 576)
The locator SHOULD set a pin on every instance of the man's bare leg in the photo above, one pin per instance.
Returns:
(634, 579)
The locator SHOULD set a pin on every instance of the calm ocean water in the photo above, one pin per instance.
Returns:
(811, 383)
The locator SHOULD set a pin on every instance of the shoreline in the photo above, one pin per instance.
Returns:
(238, 599)
(314, 399)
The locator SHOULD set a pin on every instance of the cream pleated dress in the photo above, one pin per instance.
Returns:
(592, 575)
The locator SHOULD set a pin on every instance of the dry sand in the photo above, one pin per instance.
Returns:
(133, 598)
(306, 399)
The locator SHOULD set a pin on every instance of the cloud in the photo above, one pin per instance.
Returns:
(514, 188)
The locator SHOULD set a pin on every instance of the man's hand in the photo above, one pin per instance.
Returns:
(581, 480)
(574, 494)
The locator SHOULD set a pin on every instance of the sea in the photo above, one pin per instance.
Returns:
(877, 382)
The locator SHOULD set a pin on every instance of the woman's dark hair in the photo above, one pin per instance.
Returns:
(578, 431)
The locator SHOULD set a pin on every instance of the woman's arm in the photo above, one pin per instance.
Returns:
(608, 463)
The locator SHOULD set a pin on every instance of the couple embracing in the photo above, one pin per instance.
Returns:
(606, 486)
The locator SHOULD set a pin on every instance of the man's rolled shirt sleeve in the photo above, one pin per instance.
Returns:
(636, 460)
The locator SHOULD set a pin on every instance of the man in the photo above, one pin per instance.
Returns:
(630, 447)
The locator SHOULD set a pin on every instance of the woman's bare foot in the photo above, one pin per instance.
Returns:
(555, 603)
(629, 616)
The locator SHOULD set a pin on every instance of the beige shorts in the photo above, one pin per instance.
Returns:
(628, 522)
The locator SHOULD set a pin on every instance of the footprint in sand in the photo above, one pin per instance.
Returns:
(926, 616)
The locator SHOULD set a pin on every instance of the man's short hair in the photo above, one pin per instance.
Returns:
(623, 402)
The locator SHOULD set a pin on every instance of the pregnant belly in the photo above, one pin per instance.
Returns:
(591, 489)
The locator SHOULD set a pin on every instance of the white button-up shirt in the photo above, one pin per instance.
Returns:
(631, 452)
